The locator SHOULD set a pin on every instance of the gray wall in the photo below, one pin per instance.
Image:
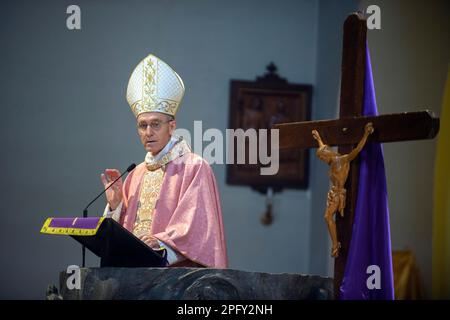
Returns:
(410, 57)
(65, 118)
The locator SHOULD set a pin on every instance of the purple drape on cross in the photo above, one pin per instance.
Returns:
(371, 241)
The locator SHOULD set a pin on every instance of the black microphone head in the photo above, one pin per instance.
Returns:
(131, 167)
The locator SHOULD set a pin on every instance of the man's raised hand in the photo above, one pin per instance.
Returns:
(113, 194)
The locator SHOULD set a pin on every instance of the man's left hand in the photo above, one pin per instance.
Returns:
(152, 242)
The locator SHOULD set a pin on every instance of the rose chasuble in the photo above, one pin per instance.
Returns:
(176, 200)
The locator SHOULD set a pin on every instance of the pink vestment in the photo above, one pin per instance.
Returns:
(187, 214)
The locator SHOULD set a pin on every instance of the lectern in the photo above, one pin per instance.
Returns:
(107, 239)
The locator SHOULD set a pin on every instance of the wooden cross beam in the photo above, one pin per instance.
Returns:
(346, 131)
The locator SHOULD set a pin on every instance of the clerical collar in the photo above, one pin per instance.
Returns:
(176, 147)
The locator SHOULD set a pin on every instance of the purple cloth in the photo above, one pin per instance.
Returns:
(371, 240)
(80, 223)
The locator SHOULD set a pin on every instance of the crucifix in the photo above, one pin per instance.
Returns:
(349, 129)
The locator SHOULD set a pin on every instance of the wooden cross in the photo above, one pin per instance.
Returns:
(346, 131)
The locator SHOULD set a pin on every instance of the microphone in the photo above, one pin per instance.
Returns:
(85, 211)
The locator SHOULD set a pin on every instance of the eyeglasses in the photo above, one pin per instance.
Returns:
(155, 125)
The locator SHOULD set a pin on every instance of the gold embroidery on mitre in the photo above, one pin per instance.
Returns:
(150, 190)
(149, 88)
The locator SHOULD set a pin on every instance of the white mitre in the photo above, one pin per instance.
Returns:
(154, 87)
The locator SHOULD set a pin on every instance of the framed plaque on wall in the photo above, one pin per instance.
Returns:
(259, 105)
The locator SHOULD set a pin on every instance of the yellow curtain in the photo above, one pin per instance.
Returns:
(407, 281)
(441, 223)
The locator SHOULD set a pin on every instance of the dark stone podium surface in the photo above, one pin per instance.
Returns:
(193, 284)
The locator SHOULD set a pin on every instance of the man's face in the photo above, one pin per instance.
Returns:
(155, 130)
